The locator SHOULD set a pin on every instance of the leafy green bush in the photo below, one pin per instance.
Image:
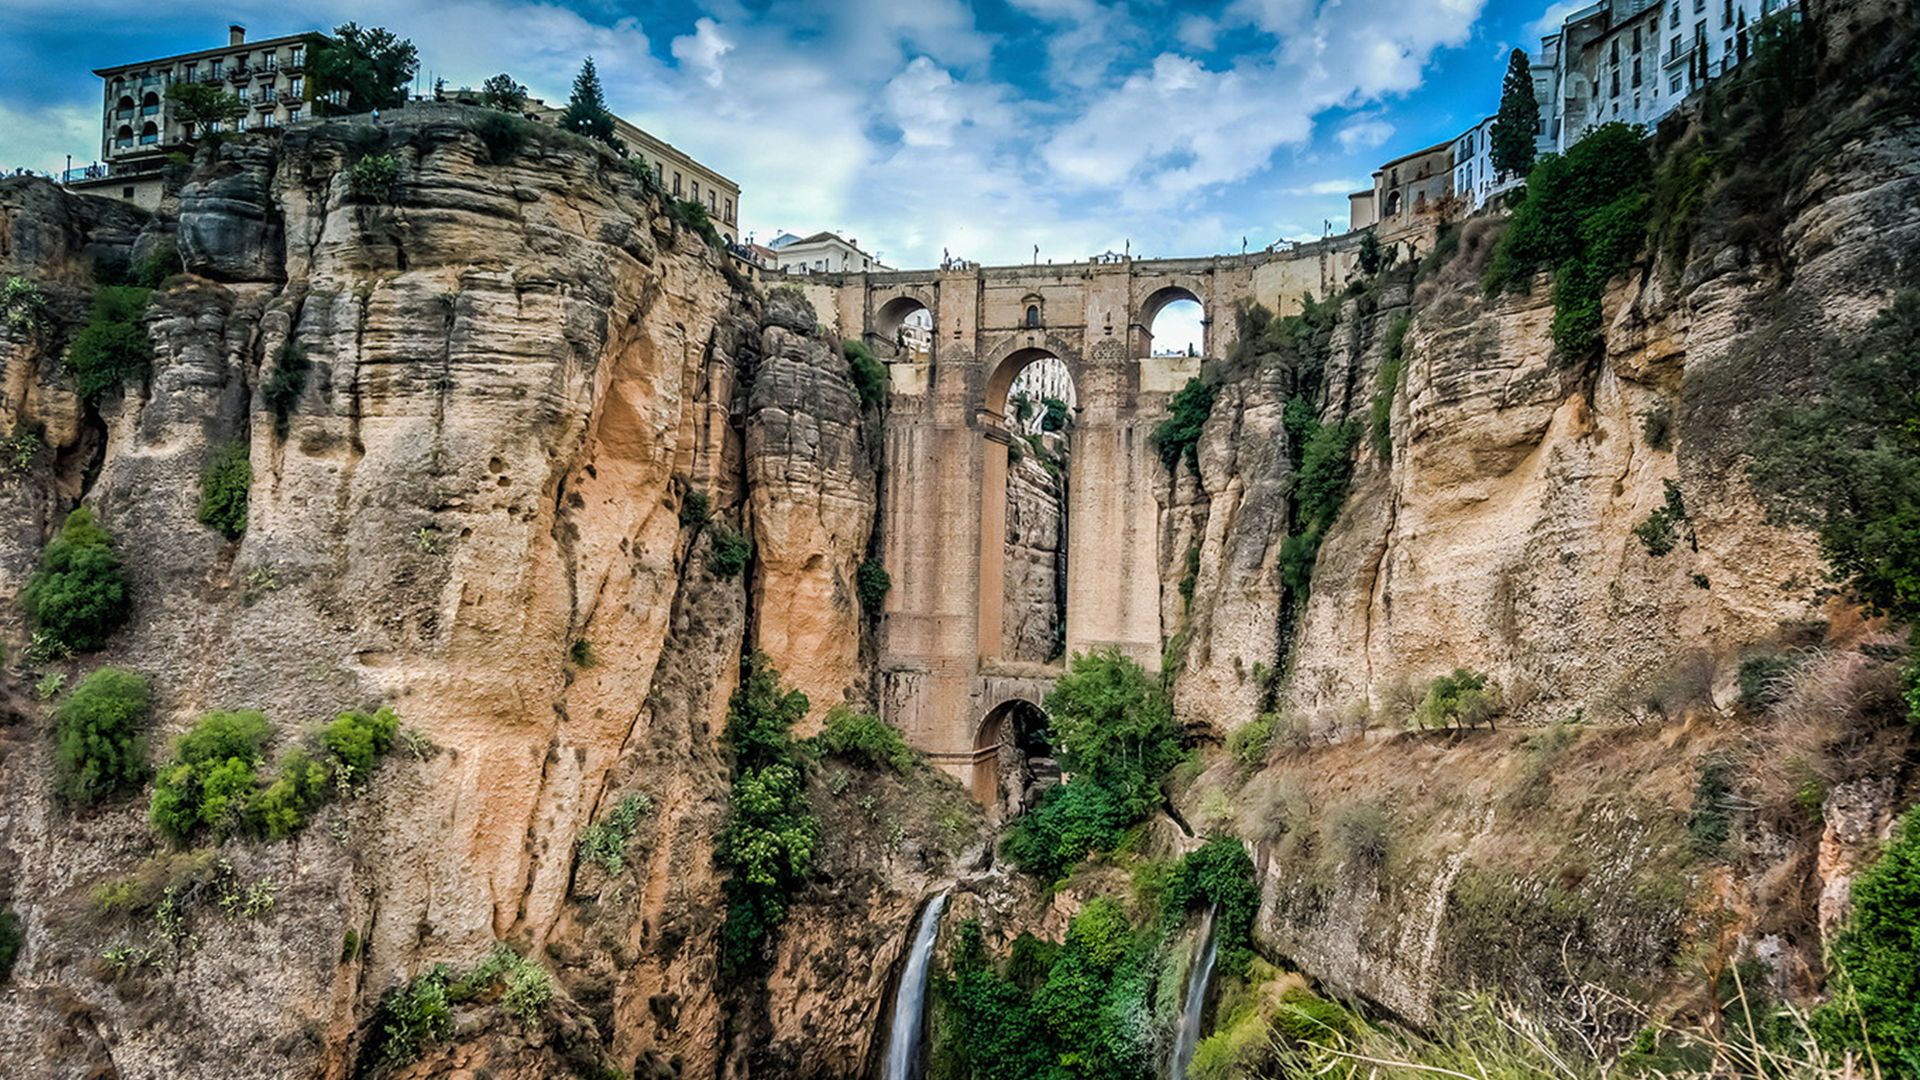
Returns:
(1179, 434)
(356, 740)
(1113, 726)
(1055, 416)
(78, 596)
(692, 216)
(99, 736)
(501, 135)
(1304, 1018)
(1876, 959)
(1069, 822)
(873, 583)
(210, 781)
(1248, 743)
(1463, 698)
(156, 266)
(373, 176)
(766, 847)
(10, 941)
(1219, 873)
(695, 510)
(223, 490)
(868, 374)
(1584, 218)
(112, 348)
(729, 550)
(301, 786)
(865, 739)
(413, 1017)
(283, 388)
(1660, 533)
(604, 843)
(23, 306)
(989, 1028)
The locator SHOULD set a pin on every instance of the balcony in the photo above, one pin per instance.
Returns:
(296, 61)
(149, 110)
(239, 74)
(268, 98)
(213, 78)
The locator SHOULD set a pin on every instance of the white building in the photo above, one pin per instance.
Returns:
(1474, 177)
(821, 253)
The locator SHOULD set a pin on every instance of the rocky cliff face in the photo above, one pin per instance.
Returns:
(519, 377)
(1498, 535)
(1033, 625)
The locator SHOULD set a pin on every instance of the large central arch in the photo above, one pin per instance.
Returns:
(997, 435)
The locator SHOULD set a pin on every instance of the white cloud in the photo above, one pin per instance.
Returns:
(1198, 32)
(41, 139)
(1363, 131)
(702, 51)
(1327, 187)
(1556, 14)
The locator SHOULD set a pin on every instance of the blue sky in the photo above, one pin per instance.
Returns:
(977, 127)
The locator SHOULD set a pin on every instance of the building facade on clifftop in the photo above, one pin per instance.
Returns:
(139, 127)
(821, 253)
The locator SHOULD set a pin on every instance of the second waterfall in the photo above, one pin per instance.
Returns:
(910, 1002)
(1187, 1036)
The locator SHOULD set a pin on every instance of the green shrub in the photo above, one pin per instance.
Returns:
(1319, 492)
(1463, 698)
(985, 1023)
(223, 490)
(1112, 726)
(210, 782)
(373, 176)
(413, 1017)
(873, 583)
(728, 550)
(156, 266)
(1179, 434)
(1190, 579)
(692, 216)
(1248, 743)
(766, 846)
(78, 596)
(501, 135)
(604, 843)
(10, 941)
(1055, 417)
(283, 388)
(1304, 1018)
(112, 348)
(1660, 533)
(356, 740)
(868, 374)
(695, 510)
(1219, 873)
(23, 306)
(864, 739)
(1876, 959)
(99, 736)
(301, 786)
(1069, 822)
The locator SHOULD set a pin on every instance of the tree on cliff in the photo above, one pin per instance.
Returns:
(501, 92)
(1518, 121)
(361, 70)
(204, 105)
(587, 107)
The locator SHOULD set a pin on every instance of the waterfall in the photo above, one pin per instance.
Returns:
(910, 1002)
(1188, 1035)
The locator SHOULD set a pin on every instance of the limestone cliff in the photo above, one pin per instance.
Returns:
(512, 376)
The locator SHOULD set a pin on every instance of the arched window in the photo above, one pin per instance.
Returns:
(1033, 315)
(1393, 203)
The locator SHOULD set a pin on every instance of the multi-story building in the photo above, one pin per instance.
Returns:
(138, 125)
(1408, 192)
(821, 253)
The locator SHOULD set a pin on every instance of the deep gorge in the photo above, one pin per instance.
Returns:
(610, 600)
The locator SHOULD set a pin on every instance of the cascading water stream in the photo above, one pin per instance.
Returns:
(910, 1002)
(1187, 1036)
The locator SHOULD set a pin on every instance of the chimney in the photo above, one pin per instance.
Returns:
(236, 34)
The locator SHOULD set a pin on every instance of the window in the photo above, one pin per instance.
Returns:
(676, 185)
(712, 208)
(127, 192)
(1673, 52)
(696, 191)
(1615, 92)
(1636, 71)
(297, 87)
(1636, 39)
(297, 56)
(1674, 20)
(1699, 7)
(1726, 12)
(1614, 51)
(293, 114)
(729, 211)
(1033, 315)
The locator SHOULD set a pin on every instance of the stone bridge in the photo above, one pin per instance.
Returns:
(947, 683)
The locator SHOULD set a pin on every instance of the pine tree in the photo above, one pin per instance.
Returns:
(1519, 119)
(587, 108)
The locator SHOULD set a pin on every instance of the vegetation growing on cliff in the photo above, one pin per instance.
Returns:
(417, 1015)
(1876, 959)
(223, 490)
(1584, 219)
(112, 348)
(78, 596)
(1178, 435)
(213, 781)
(362, 69)
(864, 739)
(1848, 466)
(766, 847)
(1113, 729)
(868, 374)
(99, 736)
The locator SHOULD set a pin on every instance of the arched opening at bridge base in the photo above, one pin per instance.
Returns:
(902, 330)
(1012, 759)
(1028, 422)
(1173, 322)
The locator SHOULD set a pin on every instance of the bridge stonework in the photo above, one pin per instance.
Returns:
(943, 511)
